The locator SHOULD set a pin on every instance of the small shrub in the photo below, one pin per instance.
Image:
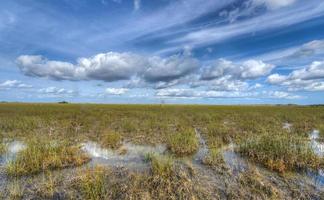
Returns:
(183, 143)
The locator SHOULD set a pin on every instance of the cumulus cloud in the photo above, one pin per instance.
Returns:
(249, 69)
(116, 91)
(310, 78)
(57, 92)
(225, 75)
(109, 66)
(190, 93)
(13, 84)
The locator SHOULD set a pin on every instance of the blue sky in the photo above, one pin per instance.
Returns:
(173, 51)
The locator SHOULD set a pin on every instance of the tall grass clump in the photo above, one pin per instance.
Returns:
(214, 157)
(280, 152)
(160, 165)
(111, 139)
(44, 155)
(3, 148)
(183, 142)
(93, 184)
(169, 180)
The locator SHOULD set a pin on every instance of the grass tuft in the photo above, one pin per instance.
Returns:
(92, 183)
(43, 155)
(160, 165)
(111, 139)
(280, 152)
(183, 143)
(214, 157)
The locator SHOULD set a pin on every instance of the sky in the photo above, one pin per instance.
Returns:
(162, 51)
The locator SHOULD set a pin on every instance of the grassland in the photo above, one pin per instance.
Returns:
(53, 134)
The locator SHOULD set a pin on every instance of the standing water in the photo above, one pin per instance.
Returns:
(318, 147)
(129, 155)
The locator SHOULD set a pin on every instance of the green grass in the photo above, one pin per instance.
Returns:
(41, 155)
(256, 129)
(3, 148)
(161, 165)
(92, 183)
(214, 157)
(183, 143)
(280, 152)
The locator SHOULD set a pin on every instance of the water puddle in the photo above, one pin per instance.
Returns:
(234, 161)
(287, 126)
(317, 177)
(12, 149)
(317, 146)
(203, 148)
(129, 155)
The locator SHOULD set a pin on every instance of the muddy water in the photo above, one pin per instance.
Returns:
(129, 155)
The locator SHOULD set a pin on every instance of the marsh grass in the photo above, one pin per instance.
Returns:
(214, 157)
(16, 190)
(183, 142)
(93, 184)
(111, 139)
(3, 148)
(257, 185)
(160, 165)
(41, 155)
(280, 152)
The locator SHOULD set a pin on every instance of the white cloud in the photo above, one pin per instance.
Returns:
(310, 78)
(110, 66)
(249, 69)
(13, 84)
(276, 78)
(191, 93)
(137, 4)
(57, 92)
(116, 91)
(281, 95)
(274, 4)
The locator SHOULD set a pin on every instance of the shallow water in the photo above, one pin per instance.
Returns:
(203, 148)
(287, 126)
(317, 146)
(234, 161)
(317, 177)
(129, 155)
(12, 149)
